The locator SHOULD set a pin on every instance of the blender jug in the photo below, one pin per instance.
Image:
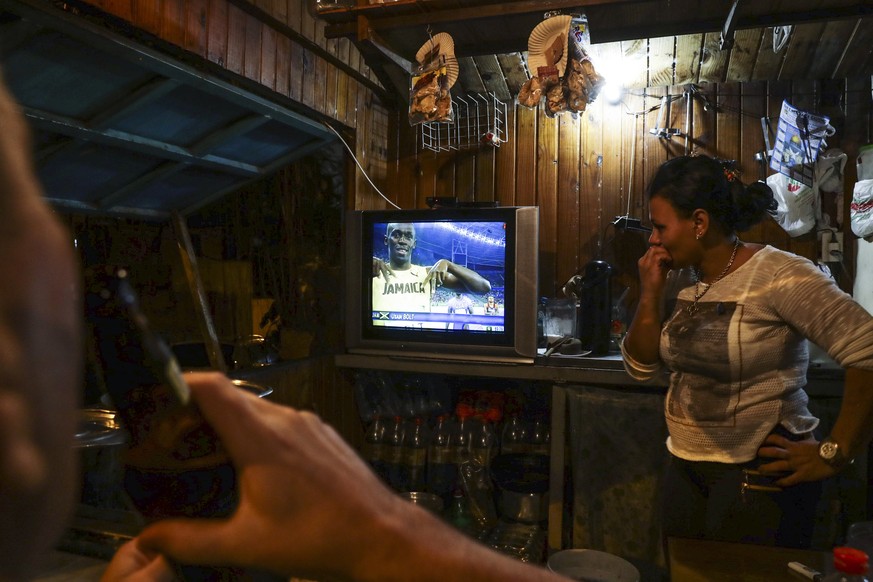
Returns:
(594, 317)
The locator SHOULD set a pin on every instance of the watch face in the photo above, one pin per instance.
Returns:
(828, 450)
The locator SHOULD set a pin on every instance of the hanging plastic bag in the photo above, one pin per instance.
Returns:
(799, 137)
(829, 180)
(865, 162)
(798, 205)
(861, 212)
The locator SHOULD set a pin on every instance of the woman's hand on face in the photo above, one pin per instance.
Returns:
(799, 459)
(654, 266)
(300, 487)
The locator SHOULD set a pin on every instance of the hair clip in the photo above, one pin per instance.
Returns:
(731, 175)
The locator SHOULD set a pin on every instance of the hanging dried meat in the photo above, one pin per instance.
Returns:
(563, 76)
(429, 97)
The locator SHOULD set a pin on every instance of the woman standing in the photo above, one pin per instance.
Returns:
(730, 320)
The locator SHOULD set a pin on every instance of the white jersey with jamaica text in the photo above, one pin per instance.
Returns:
(403, 292)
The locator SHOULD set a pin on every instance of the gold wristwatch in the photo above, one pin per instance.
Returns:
(832, 454)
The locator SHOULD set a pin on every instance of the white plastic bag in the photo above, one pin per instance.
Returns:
(798, 204)
(829, 180)
(865, 162)
(862, 208)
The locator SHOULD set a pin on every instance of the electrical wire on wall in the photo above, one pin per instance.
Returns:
(360, 167)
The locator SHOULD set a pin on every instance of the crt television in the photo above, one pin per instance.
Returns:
(393, 308)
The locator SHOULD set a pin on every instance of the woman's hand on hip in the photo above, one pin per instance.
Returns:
(799, 459)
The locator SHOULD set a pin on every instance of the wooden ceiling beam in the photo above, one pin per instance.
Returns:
(600, 31)
(450, 15)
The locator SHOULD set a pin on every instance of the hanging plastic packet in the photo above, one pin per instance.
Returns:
(429, 96)
(799, 137)
(581, 80)
(579, 30)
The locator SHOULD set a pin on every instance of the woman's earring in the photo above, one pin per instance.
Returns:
(698, 235)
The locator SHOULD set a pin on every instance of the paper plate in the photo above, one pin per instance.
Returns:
(543, 37)
(452, 70)
(442, 41)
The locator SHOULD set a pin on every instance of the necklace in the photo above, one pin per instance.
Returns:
(698, 293)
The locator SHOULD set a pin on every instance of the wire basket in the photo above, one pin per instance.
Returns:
(479, 120)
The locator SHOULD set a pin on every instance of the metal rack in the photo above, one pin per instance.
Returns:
(478, 120)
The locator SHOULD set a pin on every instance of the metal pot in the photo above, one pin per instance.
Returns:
(522, 483)
(100, 440)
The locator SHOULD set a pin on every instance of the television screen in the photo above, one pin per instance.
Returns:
(444, 283)
(447, 276)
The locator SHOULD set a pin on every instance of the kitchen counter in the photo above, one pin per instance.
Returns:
(825, 377)
(708, 561)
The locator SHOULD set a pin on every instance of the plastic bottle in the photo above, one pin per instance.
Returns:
(442, 472)
(375, 446)
(540, 437)
(459, 513)
(414, 458)
(514, 437)
(483, 441)
(394, 454)
(462, 434)
(850, 565)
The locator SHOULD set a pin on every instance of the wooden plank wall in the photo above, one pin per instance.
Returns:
(582, 172)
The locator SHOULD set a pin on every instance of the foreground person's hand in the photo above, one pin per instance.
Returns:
(311, 507)
(132, 563)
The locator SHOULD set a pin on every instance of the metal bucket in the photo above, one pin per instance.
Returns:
(522, 482)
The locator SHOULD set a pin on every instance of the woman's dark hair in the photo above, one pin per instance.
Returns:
(692, 182)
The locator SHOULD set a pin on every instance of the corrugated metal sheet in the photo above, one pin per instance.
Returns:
(123, 129)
